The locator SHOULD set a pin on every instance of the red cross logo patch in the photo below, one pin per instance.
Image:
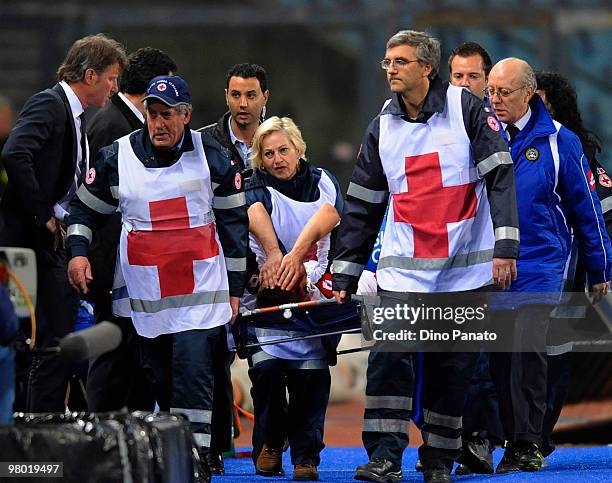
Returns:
(161, 87)
(493, 124)
(605, 181)
(90, 176)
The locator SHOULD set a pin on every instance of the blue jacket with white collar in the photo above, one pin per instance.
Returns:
(555, 194)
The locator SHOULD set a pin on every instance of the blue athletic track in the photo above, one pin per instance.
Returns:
(337, 464)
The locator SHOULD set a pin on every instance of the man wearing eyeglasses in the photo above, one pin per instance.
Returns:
(556, 194)
(437, 159)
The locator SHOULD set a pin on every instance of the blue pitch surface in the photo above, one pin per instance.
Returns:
(337, 464)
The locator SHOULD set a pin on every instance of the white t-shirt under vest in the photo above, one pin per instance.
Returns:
(169, 251)
(439, 234)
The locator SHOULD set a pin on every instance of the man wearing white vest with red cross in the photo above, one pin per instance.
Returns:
(182, 249)
(436, 158)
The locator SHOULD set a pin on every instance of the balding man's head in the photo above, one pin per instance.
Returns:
(511, 85)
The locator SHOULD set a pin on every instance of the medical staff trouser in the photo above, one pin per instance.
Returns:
(180, 367)
(389, 399)
(301, 419)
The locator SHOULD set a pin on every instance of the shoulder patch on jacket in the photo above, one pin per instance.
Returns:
(605, 180)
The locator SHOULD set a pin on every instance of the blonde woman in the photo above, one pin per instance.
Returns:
(304, 204)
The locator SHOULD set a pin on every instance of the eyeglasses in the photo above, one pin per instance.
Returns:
(503, 92)
(385, 64)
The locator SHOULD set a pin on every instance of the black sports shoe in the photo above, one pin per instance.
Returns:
(509, 462)
(437, 476)
(530, 457)
(476, 457)
(379, 470)
(520, 456)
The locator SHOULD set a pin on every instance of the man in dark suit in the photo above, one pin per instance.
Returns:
(115, 379)
(44, 157)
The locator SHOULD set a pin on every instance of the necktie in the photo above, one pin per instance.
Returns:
(82, 164)
(512, 131)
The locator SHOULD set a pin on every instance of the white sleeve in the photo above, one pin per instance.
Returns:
(367, 283)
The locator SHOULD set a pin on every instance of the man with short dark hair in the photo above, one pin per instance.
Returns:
(469, 65)
(115, 379)
(182, 247)
(246, 95)
(44, 157)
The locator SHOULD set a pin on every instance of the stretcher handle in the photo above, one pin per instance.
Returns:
(280, 308)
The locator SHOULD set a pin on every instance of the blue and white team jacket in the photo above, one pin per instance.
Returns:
(447, 180)
(556, 192)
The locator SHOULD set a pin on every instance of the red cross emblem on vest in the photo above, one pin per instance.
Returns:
(172, 246)
(428, 205)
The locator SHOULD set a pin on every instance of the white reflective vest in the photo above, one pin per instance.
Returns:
(289, 218)
(169, 251)
(439, 234)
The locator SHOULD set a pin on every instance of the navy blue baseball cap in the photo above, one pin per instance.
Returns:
(169, 89)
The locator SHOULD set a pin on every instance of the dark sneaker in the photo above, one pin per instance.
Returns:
(520, 456)
(509, 462)
(530, 457)
(437, 476)
(476, 457)
(379, 470)
(270, 462)
(215, 463)
(305, 472)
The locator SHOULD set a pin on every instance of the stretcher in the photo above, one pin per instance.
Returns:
(311, 319)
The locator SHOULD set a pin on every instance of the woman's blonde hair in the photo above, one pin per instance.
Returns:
(276, 124)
